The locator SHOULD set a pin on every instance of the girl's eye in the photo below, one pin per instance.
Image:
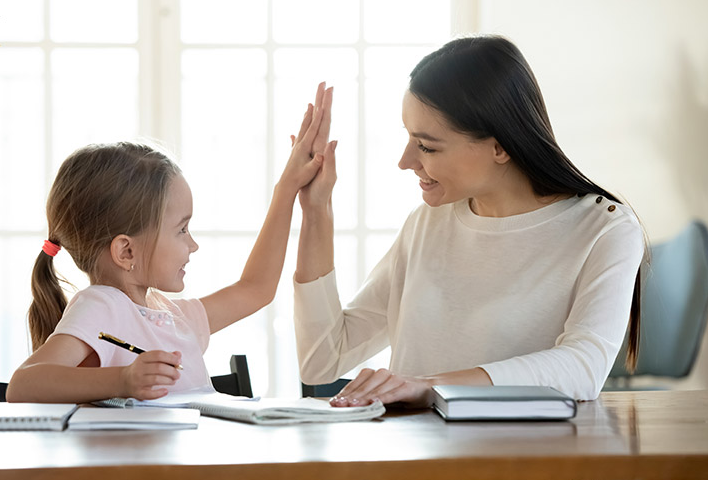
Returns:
(184, 229)
(425, 149)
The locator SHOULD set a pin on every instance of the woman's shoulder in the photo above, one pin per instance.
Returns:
(606, 213)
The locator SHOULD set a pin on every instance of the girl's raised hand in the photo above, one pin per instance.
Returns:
(305, 161)
(146, 377)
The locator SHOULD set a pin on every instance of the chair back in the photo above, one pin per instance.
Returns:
(238, 382)
(325, 390)
(674, 307)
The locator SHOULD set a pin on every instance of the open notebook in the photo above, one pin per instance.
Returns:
(148, 418)
(263, 411)
(35, 416)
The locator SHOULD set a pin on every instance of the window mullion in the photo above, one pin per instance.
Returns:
(161, 57)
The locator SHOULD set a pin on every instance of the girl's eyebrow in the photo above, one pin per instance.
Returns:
(184, 219)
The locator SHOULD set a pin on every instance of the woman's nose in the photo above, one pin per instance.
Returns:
(408, 160)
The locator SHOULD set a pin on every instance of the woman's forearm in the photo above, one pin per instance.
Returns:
(315, 256)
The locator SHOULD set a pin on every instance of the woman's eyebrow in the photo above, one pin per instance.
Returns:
(425, 136)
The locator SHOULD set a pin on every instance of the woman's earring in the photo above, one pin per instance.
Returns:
(132, 267)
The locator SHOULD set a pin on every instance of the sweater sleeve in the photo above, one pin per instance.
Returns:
(332, 340)
(584, 353)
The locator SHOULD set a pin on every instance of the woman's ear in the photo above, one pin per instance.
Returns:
(500, 155)
(123, 252)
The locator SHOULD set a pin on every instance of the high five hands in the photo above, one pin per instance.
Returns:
(318, 192)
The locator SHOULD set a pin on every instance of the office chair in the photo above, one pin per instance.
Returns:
(324, 390)
(238, 382)
(674, 308)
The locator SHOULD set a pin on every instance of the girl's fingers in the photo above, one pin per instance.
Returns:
(319, 97)
(311, 133)
(306, 120)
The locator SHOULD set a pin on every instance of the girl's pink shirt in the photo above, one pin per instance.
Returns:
(169, 325)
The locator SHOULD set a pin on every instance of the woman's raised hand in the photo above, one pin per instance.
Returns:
(308, 148)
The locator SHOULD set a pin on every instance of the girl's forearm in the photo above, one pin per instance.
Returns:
(315, 257)
(50, 383)
(265, 263)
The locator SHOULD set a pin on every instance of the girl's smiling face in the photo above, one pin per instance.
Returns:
(452, 166)
(174, 242)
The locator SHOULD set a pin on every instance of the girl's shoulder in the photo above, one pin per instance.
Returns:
(100, 295)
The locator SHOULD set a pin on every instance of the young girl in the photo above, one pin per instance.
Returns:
(517, 270)
(122, 211)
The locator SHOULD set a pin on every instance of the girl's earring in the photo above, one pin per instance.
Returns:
(132, 267)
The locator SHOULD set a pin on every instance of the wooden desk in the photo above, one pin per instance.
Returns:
(649, 435)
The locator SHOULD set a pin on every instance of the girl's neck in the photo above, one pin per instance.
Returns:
(137, 294)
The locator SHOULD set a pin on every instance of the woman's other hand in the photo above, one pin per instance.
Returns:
(370, 385)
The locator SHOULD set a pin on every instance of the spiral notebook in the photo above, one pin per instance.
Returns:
(262, 411)
(35, 416)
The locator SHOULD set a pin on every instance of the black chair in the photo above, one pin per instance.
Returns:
(238, 382)
(325, 390)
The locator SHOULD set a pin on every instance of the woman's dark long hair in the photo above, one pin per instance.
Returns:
(484, 88)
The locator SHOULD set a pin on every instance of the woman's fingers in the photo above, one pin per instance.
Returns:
(383, 385)
(322, 137)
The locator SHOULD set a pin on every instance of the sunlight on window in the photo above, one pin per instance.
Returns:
(226, 82)
(95, 98)
(21, 138)
(406, 21)
(114, 21)
(224, 21)
(21, 21)
(316, 21)
(224, 132)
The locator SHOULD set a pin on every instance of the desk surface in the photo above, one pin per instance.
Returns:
(621, 435)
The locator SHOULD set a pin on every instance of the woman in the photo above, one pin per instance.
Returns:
(517, 269)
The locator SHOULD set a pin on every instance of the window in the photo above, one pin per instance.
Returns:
(222, 84)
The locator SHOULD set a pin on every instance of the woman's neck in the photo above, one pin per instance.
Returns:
(513, 195)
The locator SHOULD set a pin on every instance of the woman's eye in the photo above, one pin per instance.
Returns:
(425, 149)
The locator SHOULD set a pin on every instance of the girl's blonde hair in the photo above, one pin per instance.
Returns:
(100, 191)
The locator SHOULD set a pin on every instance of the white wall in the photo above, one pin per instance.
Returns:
(626, 86)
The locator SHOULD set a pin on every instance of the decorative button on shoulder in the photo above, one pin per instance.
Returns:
(598, 199)
(611, 208)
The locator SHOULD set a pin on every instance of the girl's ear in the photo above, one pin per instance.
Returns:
(500, 155)
(123, 252)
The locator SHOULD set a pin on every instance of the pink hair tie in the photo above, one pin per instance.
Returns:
(50, 248)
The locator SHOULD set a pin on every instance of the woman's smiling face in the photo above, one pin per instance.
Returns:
(451, 166)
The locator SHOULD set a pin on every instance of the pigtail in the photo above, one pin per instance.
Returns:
(48, 302)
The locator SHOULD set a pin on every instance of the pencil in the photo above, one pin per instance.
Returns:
(122, 344)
